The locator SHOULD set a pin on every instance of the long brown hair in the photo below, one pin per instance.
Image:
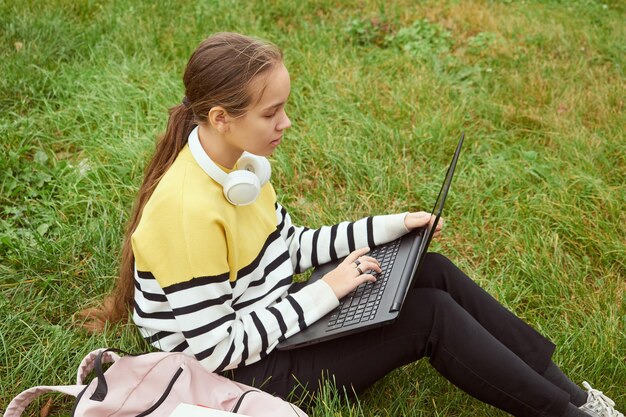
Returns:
(218, 73)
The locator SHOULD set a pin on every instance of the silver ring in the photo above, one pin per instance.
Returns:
(359, 269)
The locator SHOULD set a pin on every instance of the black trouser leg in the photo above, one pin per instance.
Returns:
(464, 352)
(439, 272)
(433, 323)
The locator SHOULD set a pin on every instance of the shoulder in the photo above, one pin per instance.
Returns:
(184, 189)
(185, 199)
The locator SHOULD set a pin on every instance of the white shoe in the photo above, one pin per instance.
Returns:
(598, 404)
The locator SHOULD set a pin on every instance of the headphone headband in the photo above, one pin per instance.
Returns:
(203, 159)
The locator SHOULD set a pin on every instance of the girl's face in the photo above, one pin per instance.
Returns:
(260, 129)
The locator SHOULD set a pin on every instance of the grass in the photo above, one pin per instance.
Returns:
(380, 93)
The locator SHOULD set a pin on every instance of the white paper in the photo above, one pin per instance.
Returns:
(188, 410)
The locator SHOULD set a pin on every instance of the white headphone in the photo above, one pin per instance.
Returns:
(243, 185)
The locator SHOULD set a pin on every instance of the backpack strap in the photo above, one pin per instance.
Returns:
(18, 404)
(88, 363)
(93, 360)
(102, 357)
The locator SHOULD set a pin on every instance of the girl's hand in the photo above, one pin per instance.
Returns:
(421, 219)
(352, 272)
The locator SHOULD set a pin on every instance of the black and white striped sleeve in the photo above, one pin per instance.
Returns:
(222, 337)
(313, 247)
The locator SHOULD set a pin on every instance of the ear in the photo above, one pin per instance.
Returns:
(219, 119)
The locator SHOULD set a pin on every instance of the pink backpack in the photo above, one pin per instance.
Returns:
(154, 384)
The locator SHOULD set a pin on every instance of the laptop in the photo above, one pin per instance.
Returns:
(375, 304)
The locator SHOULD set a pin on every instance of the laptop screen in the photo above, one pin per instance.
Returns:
(441, 198)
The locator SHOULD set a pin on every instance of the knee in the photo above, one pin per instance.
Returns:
(436, 261)
(429, 301)
(434, 271)
(428, 311)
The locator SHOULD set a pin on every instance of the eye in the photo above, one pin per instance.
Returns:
(269, 116)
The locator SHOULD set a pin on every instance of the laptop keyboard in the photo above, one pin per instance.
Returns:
(362, 303)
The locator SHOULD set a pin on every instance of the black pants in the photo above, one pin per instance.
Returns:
(470, 338)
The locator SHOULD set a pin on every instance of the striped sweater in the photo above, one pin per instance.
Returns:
(215, 280)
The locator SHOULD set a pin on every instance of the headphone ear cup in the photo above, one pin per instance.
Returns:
(259, 165)
(241, 187)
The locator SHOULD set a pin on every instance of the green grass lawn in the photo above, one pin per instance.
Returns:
(380, 92)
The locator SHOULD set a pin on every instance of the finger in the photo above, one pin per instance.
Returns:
(367, 267)
(366, 278)
(431, 221)
(371, 266)
(415, 220)
(368, 259)
(355, 254)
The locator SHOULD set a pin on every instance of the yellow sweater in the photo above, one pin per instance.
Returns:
(213, 280)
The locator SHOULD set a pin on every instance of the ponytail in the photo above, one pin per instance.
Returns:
(116, 305)
(218, 73)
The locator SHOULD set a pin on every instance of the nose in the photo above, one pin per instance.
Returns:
(284, 123)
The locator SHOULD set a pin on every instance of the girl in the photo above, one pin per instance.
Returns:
(210, 254)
